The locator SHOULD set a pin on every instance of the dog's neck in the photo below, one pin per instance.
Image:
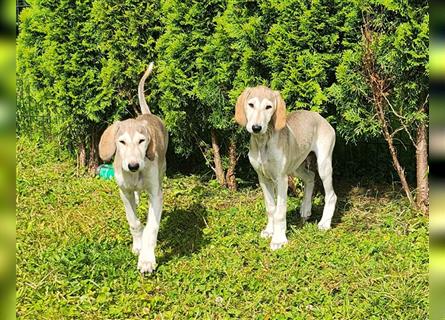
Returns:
(259, 141)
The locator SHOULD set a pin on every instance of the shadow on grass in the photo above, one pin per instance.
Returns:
(181, 232)
(343, 205)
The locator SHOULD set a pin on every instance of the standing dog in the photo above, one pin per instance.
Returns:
(139, 146)
(278, 147)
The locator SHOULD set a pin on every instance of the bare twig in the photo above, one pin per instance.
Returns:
(401, 120)
(198, 142)
(396, 131)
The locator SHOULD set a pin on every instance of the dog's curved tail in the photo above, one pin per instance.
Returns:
(143, 103)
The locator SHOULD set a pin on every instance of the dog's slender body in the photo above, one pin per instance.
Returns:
(278, 147)
(139, 146)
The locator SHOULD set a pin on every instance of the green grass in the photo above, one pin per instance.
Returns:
(74, 258)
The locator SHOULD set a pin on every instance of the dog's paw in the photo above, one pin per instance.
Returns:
(305, 215)
(146, 263)
(137, 244)
(266, 234)
(277, 242)
(136, 248)
(324, 225)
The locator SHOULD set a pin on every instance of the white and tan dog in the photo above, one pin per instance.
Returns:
(278, 147)
(139, 146)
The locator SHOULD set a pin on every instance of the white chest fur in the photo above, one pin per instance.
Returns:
(138, 181)
(266, 158)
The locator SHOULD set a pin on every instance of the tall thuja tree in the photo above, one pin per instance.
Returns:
(382, 84)
(30, 76)
(124, 35)
(60, 75)
(39, 62)
(80, 63)
(230, 61)
(77, 85)
(304, 45)
(188, 27)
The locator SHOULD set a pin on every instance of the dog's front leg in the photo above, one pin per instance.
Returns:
(279, 219)
(269, 199)
(147, 260)
(136, 227)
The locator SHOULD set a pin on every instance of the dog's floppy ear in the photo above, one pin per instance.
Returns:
(151, 149)
(280, 112)
(150, 153)
(107, 144)
(240, 116)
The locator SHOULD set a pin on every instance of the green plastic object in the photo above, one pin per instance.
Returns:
(105, 171)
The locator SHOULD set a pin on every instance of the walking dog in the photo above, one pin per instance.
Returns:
(139, 146)
(278, 147)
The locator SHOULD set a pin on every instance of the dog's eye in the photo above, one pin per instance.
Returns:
(251, 105)
(268, 106)
(122, 142)
(141, 141)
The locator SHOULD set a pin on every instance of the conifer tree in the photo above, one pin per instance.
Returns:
(231, 60)
(304, 44)
(382, 84)
(79, 64)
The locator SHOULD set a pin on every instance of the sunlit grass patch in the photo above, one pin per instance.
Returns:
(74, 258)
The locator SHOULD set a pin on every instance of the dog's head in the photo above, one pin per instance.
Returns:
(131, 141)
(259, 106)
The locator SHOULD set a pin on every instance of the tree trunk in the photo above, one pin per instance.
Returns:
(396, 164)
(81, 157)
(230, 175)
(217, 159)
(93, 159)
(422, 168)
(379, 87)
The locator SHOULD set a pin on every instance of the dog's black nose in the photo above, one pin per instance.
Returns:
(133, 167)
(256, 128)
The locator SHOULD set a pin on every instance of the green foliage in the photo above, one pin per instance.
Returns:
(78, 63)
(304, 45)
(188, 26)
(401, 39)
(351, 95)
(74, 258)
(232, 60)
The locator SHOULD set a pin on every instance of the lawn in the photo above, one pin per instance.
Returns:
(74, 258)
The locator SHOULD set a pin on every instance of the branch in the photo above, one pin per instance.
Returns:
(204, 154)
(401, 142)
(422, 108)
(397, 130)
(402, 122)
(392, 108)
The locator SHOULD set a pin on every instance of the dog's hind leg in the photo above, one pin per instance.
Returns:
(308, 178)
(136, 227)
(324, 161)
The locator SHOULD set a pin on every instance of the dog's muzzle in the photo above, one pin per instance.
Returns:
(133, 167)
(256, 128)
